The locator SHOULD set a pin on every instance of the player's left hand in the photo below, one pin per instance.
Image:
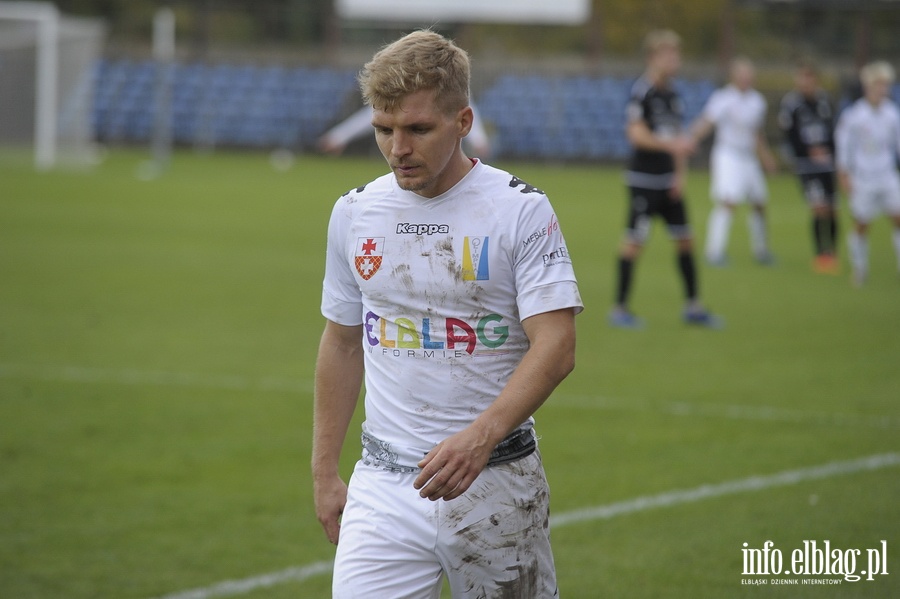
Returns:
(453, 465)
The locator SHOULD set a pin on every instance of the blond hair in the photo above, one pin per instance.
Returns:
(422, 60)
(659, 39)
(876, 71)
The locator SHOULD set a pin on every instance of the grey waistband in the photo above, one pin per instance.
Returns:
(519, 444)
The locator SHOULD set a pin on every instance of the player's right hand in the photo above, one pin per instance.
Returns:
(453, 465)
(330, 498)
(820, 154)
(682, 146)
(845, 182)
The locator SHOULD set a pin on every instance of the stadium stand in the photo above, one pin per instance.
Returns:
(568, 118)
(530, 116)
(221, 105)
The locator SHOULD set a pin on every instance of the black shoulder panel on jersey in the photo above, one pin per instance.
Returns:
(515, 182)
(359, 189)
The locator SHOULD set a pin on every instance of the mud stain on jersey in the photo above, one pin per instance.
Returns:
(402, 272)
(444, 252)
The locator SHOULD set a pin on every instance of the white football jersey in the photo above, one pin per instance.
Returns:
(868, 139)
(738, 117)
(441, 286)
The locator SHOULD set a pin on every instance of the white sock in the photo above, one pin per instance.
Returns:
(859, 252)
(717, 230)
(758, 237)
(896, 238)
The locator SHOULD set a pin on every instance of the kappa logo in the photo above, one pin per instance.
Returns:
(369, 254)
(415, 229)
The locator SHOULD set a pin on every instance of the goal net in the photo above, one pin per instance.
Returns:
(47, 62)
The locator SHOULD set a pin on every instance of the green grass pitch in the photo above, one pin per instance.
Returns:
(157, 341)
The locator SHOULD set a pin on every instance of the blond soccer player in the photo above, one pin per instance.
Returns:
(868, 144)
(449, 288)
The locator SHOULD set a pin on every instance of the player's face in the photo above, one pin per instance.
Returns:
(421, 143)
(807, 82)
(667, 60)
(877, 91)
(743, 77)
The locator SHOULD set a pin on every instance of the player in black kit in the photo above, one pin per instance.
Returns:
(655, 177)
(807, 119)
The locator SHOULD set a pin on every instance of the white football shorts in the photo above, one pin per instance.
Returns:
(736, 177)
(492, 541)
(872, 197)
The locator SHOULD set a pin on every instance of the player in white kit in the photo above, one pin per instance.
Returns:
(868, 144)
(449, 288)
(737, 112)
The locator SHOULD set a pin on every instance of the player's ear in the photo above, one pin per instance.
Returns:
(464, 119)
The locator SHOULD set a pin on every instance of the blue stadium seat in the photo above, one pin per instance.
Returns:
(567, 117)
(533, 116)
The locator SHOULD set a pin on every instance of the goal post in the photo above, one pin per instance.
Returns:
(46, 67)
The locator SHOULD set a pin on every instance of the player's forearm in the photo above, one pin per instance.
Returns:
(766, 155)
(844, 180)
(681, 168)
(642, 138)
(339, 374)
(547, 362)
(762, 148)
(701, 128)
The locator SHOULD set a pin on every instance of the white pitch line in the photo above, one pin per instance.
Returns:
(753, 483)
(729, 411)
(133, 376)
(246, 585)
(601, 512)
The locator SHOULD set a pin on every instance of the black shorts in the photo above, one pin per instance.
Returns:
(644, 204)
(819, 189)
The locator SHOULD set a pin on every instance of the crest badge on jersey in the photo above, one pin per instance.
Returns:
(369, 254)
(475, 262)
